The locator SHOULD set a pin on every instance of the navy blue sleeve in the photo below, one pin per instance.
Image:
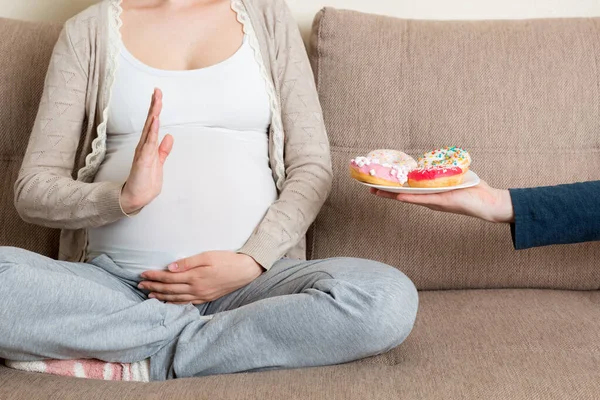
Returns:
(556, 214)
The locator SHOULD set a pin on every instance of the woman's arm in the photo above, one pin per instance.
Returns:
(307, 157)
(45, 192)
(539, 216)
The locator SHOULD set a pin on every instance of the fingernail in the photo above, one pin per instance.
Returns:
(140, 286)
(151, 296)
(173, 267)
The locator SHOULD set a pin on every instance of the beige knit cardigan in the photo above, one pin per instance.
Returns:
(55, 187)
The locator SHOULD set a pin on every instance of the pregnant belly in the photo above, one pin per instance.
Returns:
(217, 188)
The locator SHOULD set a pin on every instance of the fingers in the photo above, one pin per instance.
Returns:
(174, 298)
(151, 108)
(154, 111)
(409, 198)
(147, 153)
(165, 148)
(155, 107)
(199, 260)
(165, 277)
(165, 288)
(420, 199)
(152, 139)
(384, 194)
(150, 116)
(395, 196)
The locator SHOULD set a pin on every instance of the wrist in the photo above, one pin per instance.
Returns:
(128, 204)
(504, 211)
(253, 266)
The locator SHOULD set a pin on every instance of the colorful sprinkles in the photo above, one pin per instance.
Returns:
(395, 166)
(447, 156)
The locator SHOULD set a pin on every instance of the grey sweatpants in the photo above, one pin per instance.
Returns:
(298, 314)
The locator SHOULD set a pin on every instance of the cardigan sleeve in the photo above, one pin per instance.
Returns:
(45, 191)
(556, 215)
(306, 149)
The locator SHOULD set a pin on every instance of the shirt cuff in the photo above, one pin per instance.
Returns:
(263, 249)
(133, 214)
(520, 229)
(109, 205)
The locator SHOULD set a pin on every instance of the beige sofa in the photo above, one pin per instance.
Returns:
(522, 96)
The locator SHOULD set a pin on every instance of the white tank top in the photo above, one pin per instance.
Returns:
(217, 181)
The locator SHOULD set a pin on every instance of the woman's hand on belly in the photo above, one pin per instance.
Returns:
(146, 177)
(202, 278)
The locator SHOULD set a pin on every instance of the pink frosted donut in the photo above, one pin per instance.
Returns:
(383, 167)
(436, 177)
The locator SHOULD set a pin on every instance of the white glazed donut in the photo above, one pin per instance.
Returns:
(393, 157)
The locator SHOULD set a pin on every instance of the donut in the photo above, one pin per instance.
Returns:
(446, 157)
(435, 177)
(382, 167)
(393, 157)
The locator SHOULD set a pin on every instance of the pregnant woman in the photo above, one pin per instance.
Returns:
(183, 250)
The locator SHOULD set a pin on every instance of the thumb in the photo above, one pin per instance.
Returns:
(165, 148)
(186, 264)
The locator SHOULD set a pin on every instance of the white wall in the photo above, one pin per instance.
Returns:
(59, 10)
(452, 9)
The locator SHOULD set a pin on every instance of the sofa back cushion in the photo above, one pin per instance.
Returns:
(25, 50)
(522, 96)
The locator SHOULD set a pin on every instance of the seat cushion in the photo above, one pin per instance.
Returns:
(521, 96)
(481, 344)
(25, 51)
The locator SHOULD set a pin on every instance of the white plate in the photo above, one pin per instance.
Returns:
(471, 179)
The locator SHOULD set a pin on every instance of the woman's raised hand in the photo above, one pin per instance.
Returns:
(146, 176)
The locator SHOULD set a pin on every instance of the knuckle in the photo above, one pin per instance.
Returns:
(157, 288)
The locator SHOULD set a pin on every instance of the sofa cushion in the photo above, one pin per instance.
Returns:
(25, 51)
(522, 96)
(487, 344)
